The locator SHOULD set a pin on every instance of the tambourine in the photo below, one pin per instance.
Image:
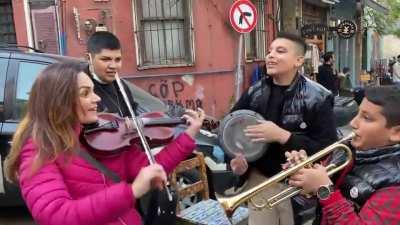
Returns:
(232, 139)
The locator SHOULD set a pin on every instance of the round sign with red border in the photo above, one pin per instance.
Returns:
(243, 16)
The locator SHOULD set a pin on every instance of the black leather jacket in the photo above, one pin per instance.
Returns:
(112, 100)
(307, 113)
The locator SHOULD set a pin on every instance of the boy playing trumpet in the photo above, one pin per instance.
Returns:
(368, 191)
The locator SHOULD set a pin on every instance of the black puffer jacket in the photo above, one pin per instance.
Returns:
(372, 170)
(307, 113)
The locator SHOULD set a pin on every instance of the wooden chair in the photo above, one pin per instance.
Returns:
(200, 186)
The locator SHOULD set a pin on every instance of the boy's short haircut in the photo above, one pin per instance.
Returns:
(300, 43)
(388, 97)
(102, 40)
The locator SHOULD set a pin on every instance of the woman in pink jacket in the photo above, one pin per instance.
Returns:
(59, 186)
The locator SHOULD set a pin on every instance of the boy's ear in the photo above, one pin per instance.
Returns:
(395, 134)
(90, 62)
(90, 56)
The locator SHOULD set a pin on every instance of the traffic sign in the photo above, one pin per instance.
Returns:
(243, 16)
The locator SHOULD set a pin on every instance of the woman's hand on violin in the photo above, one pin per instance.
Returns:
(195, 121)
(152, 175)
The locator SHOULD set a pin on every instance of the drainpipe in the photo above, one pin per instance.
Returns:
(28, 24)
(61, 47)
(359, 38)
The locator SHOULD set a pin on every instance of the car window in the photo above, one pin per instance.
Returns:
(3, 72)
(27, 74)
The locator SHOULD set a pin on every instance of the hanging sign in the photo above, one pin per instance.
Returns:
(313, 29)
(346, 29)
(243, 16)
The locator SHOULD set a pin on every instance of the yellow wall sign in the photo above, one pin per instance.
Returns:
(365, 77)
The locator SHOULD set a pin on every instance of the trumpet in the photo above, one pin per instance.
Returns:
(229, 204)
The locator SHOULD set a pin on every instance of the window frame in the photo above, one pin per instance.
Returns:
(10, 99)
(259, 51)
(139, 37)
(3, 78)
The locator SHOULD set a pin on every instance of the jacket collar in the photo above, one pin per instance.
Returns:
(377, 154)
(292, 87)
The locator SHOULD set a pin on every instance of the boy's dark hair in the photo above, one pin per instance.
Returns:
(388, 97)
(327, 56)
(300, 43)
(102, 40)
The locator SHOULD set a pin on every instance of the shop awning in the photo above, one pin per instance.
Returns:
(376, 6)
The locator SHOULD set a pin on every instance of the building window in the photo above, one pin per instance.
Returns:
(255, 40)
(44, 25)
(164, 33)
(7, 29)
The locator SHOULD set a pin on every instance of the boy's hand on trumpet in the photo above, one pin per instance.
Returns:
(309, 179)
(293, 158)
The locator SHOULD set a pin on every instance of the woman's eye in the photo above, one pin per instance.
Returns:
(84, 93)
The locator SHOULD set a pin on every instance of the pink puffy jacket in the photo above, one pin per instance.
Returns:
(73, 192)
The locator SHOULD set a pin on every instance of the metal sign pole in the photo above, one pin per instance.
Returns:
(239, 72)
(243, 17)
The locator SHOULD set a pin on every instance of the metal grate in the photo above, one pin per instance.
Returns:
(7, 29)
(164, 32)
(255, 40)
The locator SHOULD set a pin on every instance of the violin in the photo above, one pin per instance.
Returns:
(112, 133)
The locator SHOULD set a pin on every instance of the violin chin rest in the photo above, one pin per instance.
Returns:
(87, 128)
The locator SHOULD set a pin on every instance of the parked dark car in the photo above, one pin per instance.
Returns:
(18, 70)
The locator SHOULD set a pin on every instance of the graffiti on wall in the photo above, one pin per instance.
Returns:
(172, 93)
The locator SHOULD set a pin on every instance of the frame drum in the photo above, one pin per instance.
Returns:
(231, 135)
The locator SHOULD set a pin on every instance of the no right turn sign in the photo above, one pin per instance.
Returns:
(243, 16)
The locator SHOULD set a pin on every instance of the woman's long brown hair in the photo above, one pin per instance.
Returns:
(50, 119)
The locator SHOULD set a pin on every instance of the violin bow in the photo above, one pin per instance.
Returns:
(139, 124)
